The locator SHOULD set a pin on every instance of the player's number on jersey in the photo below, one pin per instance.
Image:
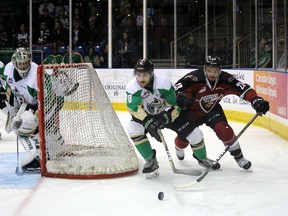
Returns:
(177, 86)
(241, 85)
(129, 98)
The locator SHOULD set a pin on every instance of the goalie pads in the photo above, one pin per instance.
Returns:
(30, 162)
(26, 124)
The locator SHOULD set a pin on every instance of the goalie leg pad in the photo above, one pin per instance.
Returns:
(30, 162)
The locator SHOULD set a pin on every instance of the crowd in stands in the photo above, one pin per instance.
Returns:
(90, 32)
(90, 29)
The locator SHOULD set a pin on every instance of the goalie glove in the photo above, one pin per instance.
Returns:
(26, 124)
(260, 105)
(152, 126)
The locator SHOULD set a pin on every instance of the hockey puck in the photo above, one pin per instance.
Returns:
(160, 195)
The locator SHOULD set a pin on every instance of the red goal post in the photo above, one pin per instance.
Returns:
(80, 134)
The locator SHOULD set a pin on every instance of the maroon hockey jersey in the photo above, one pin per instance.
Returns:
(204, 96)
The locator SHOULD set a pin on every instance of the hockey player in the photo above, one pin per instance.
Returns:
(199, 94)
(21, 107)
(151, 100)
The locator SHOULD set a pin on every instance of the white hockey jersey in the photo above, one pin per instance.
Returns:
(24, 90)
(142, 101)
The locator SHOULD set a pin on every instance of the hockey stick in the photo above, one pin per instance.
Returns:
(220, 156)
(174, 169)
(18, 170)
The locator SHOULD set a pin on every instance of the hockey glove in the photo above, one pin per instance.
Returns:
(260, 105)
(152, 126)
(183, 101)
(164, 118)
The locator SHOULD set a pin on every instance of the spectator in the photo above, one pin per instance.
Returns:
(43, 34)
(126, 51)
(76, 56)
(127, 15)
(23, 37)
(61, 4)
(130, 28)
(123, 5)
(90, 42)
(78, 34)
(77, 15)
(45, 17)
(264, 55)
(54, 57)
(104, 55)
(59, 35)
(47, 5)
(63, 18)
(3, 36)
(224, 53)
(92, 58)
(93, 31)
(193, 54)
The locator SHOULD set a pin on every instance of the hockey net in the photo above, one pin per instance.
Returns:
(80, 133)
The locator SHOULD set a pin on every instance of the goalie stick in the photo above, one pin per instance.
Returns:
(18, 170)
(174, 169)
(220, 156)
(12, 112)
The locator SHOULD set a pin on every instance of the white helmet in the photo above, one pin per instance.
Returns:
(21, 60)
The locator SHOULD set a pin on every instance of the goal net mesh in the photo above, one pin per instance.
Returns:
(80, 133)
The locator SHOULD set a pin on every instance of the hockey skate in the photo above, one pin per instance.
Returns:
(33, 167)
(207, 163)
(151, 167)
(180, 154)
(243, 163)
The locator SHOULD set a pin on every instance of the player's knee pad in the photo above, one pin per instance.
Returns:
(195, 137)
(181, 144)
(224, 132)
(135, 129)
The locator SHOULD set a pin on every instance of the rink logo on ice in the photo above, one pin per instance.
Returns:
(8, 178)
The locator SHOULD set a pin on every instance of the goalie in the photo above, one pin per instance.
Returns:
(20, 84)
(19, 79)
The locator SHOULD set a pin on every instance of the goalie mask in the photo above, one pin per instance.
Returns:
(21, 60)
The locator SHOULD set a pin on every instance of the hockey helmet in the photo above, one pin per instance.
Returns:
(212, 61)
(212, 69)
(21, 60)
(144, 65)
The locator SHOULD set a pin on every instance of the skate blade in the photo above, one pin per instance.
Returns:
(153, 174)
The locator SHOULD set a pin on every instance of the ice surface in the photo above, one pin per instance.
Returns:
(231, 191)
